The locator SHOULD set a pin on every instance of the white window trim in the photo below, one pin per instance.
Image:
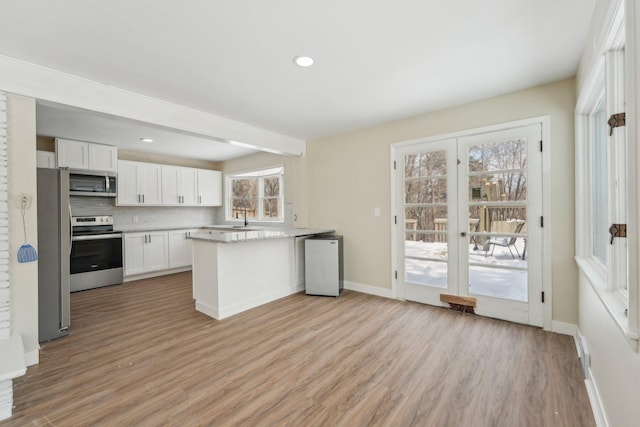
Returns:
(261, 174)
(604, 280)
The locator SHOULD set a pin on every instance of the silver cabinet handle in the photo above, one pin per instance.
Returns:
(149, 238)
(145, 238)
(143, 198)
(138, 198)
(199, 199)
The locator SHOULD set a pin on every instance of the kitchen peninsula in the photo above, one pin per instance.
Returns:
(234, 271)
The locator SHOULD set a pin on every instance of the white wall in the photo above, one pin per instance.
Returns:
(349, 176)
(23, 180)
(615, 367)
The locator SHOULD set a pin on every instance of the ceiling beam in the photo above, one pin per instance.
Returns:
(41, 83)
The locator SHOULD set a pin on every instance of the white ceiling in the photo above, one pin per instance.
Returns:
(376, 60)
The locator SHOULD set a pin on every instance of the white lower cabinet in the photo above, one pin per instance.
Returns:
(180, 248)
(146, 252)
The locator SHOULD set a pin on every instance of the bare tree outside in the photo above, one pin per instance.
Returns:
(425, 192)
(497, 173)
(245, 196)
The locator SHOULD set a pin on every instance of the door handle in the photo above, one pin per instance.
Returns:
(617, 230)
(463, 234)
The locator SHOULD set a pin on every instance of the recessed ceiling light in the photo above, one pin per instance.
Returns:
(146, 139)
(303, 61)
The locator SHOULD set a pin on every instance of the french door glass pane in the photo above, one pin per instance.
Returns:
(497, 173)
(426, 222)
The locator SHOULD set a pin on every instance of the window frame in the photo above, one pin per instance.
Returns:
(260, 175)
(613, 283)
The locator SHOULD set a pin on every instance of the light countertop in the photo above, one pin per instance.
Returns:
(245, 236)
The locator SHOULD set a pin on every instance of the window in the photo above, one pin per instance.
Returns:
(258, 195)
(603, 187)
(599, 184)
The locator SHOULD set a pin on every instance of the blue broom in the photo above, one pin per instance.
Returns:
(26, 253)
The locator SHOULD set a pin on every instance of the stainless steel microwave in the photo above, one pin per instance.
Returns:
(92, 183)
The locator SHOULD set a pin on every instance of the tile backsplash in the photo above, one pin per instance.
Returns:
(128, 218)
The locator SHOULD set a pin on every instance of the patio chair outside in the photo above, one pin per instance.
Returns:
(506, 242)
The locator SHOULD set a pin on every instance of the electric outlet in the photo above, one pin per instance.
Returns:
(24, 200)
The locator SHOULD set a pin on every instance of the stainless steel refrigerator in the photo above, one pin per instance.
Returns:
(54, 248)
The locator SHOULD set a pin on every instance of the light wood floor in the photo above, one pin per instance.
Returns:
(139, 354)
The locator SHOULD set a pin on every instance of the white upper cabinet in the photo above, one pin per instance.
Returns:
(179, 186)
(139, 183)
(153, 184)
(46, 159)
(86, 155)
(209, 187)
(103, 157)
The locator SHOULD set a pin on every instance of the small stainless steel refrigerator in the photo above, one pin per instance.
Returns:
(54, 248)
(323, 271)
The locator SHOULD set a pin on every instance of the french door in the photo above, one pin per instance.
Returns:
(469, 222)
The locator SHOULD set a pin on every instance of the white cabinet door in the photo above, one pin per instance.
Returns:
(188, 184)
(170, 192)
(134, 244)
(139, 183)
(145, 252)
(156, 251)
(103, 157)
(128, 186)
(46, 159)
(72, 154)
(179, 186)
(180, 248)
(209, 187)
(150, 177)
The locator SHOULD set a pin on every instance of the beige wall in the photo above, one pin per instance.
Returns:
(349, 176)
(23, 180)
(294, 177)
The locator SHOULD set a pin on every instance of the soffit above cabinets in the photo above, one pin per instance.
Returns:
(81, 125)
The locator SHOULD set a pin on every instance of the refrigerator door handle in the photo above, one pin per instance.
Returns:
(70, 230)
(65, 253)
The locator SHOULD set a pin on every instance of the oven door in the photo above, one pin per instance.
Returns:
(96, 260)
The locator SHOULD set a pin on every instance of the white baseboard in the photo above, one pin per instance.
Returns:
(596, 402)
(255, 302)
(207, 309)
(32, 357)
(564, 328)
(155, 274)
(368, 289)
(224, 312)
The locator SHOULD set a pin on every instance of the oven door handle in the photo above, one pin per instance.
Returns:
(97, 237)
